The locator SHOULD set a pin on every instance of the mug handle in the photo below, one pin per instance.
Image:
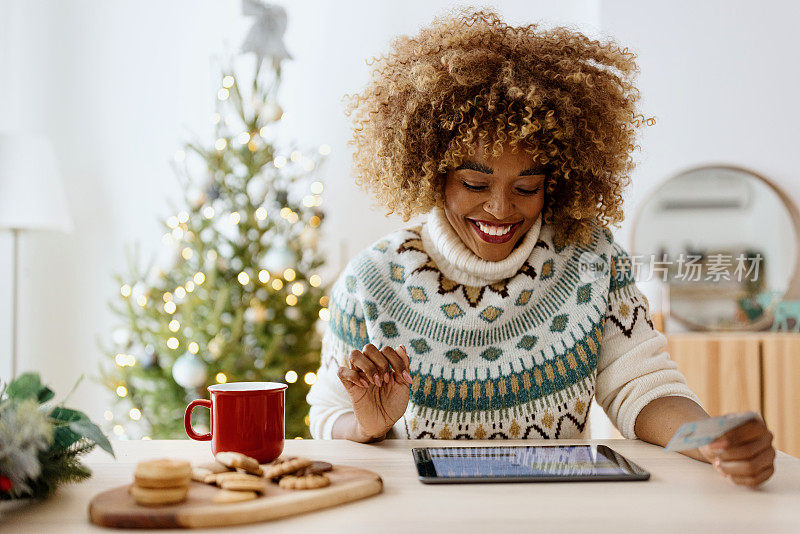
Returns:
(187, 420)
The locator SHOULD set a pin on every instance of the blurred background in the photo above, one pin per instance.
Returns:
(118, 87)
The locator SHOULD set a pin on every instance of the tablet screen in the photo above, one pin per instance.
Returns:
(568, 461)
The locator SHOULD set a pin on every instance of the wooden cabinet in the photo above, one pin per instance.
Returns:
(743, 371)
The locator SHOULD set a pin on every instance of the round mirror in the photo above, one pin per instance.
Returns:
(723, 241)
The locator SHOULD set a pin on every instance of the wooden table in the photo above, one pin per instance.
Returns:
(682, 495)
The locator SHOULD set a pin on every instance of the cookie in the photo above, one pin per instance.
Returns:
(199, 474)
(227, 496)
(285, 466)
(163, 473)
(302, 482)
(214, 467)
(158, 496)
(317, 467)
(236, 460)
(243, 485)
(218, 478)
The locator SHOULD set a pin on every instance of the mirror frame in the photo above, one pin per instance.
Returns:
(792, 288)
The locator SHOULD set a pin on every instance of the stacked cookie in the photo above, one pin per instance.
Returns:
(163, 481)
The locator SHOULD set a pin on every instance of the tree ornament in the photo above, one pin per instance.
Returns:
(271, 112)
(278, 258)
(122, 337)
(265, 37)
(189, 371)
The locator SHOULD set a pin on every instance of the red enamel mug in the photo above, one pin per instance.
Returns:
(246, 417)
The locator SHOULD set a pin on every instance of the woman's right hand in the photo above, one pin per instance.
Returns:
(378, 383)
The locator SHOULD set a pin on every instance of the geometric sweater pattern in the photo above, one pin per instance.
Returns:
(521, 357)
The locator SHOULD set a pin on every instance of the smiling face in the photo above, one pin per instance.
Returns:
(492, 202)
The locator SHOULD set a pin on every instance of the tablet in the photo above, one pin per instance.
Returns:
(536, 463)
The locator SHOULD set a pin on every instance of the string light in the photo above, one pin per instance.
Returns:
(308, 201)
(173, 343)
(295, 156)
(307, 420)
(263, 276)
(235, 217)
(122, 391)
(244, 138)
(108, 415)
(324, 314)
(316, 187)
(277, 284)
(291, 300)
(314, 221)
(291, 377)
(285, 212)
(298, 288)
(211, 254)
(323, 301)
(194, 348)
(141, 300)
(220, 144)
(183, 217)
(187, 253)
(174, 325)
(243, 278)
(189, 286)
(227, 81)
(292, 218)
(221, 378)
(180, 292)
(315, 280)
(170, 307)
(135, 414)
(177, 233)
(289, 274)
(223, 94)
(172, 222)
(118, 430)
(310, 378)
(125, 290)
(261, 213)
(166, 297)
(263, 131)
(279, 162)
(308, 165)
(199, 278)
(317, 200)
(208, 212)
(324, 150)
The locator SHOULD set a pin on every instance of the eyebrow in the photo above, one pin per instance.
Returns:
(480, 167)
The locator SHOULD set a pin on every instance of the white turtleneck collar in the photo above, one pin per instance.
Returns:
(458, 263)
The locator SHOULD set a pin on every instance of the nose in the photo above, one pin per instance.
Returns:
(499, 205)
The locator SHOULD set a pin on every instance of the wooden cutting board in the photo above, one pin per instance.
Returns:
(116, 508)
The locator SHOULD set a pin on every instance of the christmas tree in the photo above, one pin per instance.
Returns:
(241, 297)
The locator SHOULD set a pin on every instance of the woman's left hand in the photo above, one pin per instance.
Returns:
(744, 454)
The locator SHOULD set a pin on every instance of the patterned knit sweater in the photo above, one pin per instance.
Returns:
(509, 349)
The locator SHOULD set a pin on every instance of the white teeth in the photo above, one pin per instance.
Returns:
(493, 230)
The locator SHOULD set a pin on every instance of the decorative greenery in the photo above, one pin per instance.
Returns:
(239, 297)
(40, 444)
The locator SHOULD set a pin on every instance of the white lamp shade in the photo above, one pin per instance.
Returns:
(31, 191)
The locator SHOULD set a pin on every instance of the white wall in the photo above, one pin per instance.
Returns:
(118, 85)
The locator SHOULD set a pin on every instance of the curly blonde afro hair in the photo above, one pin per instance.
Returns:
(468, 78)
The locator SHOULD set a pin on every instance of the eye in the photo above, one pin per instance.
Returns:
(529, 191)
(475, 187)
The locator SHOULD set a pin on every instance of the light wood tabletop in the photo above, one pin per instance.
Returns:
(682, 495)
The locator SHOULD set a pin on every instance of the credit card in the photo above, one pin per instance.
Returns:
(698, 433)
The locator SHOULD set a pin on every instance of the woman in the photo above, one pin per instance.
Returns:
(511, 306)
